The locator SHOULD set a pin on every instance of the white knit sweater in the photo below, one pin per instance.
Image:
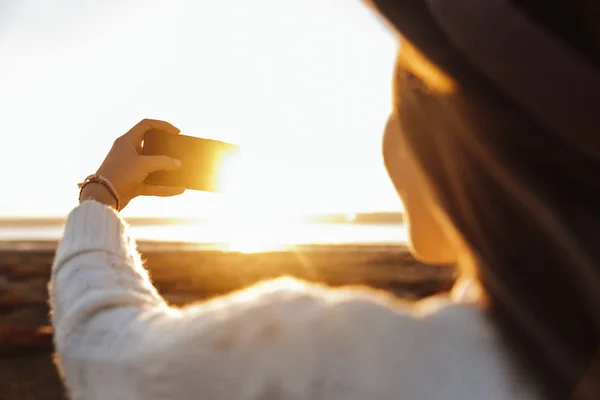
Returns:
(117, 339)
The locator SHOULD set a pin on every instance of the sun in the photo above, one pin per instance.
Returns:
(254, 216)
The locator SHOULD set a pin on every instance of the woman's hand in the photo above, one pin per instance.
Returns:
(127, 169)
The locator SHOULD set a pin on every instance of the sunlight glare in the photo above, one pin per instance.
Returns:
(252, 213)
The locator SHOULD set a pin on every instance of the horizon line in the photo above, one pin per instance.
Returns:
(351, 217)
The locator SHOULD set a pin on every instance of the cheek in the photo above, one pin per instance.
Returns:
(427, 238)
(400, 168)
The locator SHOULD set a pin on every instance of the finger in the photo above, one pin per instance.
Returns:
(159, 163)
(162, 191)
(136, 134)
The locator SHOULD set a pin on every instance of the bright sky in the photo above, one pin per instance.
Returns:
(302, 85)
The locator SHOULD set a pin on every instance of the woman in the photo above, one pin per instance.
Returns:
(492, 147)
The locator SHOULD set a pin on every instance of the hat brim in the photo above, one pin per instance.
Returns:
(505, 55)
(414, 22)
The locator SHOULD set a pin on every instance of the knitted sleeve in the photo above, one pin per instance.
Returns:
(117, 339)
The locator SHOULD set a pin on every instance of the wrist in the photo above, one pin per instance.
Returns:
(98, 192)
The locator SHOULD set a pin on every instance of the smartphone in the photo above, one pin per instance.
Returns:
(203, 160)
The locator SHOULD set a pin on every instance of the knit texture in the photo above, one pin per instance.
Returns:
(116, 338)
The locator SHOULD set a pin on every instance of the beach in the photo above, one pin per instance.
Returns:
(183, 273)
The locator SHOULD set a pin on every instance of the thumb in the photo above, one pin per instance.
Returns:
(159, 163)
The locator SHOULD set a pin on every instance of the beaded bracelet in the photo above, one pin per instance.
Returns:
(95, 178)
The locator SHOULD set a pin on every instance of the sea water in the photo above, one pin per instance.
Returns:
(240, 236)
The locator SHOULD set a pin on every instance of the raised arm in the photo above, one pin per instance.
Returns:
(116, 338)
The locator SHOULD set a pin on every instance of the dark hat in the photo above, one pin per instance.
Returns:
(526, 62)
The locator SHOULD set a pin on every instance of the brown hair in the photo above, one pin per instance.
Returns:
(527, 203)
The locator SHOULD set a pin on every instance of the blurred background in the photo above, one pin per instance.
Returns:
(303, 86)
